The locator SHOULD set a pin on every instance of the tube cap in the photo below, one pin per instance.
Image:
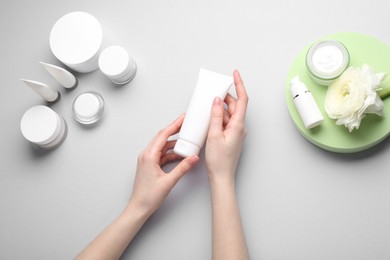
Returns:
(185, 148)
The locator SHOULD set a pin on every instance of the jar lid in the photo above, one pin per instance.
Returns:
(60, 138)
(75, 40)
(88, 107)
(114, 61)
(40, 125)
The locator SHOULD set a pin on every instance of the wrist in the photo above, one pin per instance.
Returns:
(225, 183)
(221, 178)
(137, 211)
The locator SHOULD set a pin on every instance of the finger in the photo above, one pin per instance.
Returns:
(229, 99)
(226, 117)
(159, 141)
(183, 167)
(169, 157)
(168, 146)
(216, 122)
(242, 96)
(231, 103)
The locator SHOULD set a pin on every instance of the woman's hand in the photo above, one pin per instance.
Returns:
(227, 133)
(223, 149)
(152, 185)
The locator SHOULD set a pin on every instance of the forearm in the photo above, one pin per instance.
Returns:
(227, 233)
(113, 241)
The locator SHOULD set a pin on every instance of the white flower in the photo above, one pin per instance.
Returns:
(353, 95)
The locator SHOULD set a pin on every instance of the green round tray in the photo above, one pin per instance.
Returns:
(329, 136)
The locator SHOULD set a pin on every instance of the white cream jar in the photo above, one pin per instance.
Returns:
(43, 127)
(75, 40)
(117, 65)
(326, 60)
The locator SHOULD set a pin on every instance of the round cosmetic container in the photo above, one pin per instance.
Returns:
(43, 127)
(75, 40)
(88, 107)
(117, 65)
(326, 60)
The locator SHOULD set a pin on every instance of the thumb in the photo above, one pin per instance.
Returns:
(216, 122)
(183, 167)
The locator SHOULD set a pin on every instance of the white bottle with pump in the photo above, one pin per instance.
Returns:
(194, 130)
(306, 105)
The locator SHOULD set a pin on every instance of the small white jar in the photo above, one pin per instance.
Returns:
(326, 60)
(43, 127)
(88, 108)
(75, 40)
(117, 65)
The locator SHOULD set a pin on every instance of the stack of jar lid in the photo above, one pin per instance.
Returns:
(117, 65)
(43, 127)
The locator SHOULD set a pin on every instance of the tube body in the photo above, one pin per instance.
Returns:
(195, 127)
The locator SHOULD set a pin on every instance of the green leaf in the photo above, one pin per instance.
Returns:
(383, 93)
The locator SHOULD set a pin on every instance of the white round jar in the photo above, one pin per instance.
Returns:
(43, 127)
(75, 40)
(88, 108)
(117, 65)
(326, 60)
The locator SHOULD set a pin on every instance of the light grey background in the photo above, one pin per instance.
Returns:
(297, 201)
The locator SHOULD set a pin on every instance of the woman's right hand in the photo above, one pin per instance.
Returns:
(227, 133)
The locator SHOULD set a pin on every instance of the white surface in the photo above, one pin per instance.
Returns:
(40, 125)
(297, 201)
(75, 40)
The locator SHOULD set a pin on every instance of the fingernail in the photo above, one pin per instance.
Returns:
(177, 119)
(194, 159)
(217, 101)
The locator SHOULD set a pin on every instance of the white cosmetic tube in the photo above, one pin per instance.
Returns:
(196, 123)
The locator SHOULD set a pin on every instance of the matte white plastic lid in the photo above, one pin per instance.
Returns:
(185, 148)
(114, 61)
(40, 125)
(60, 138)
(76, 38)
(88, 107)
